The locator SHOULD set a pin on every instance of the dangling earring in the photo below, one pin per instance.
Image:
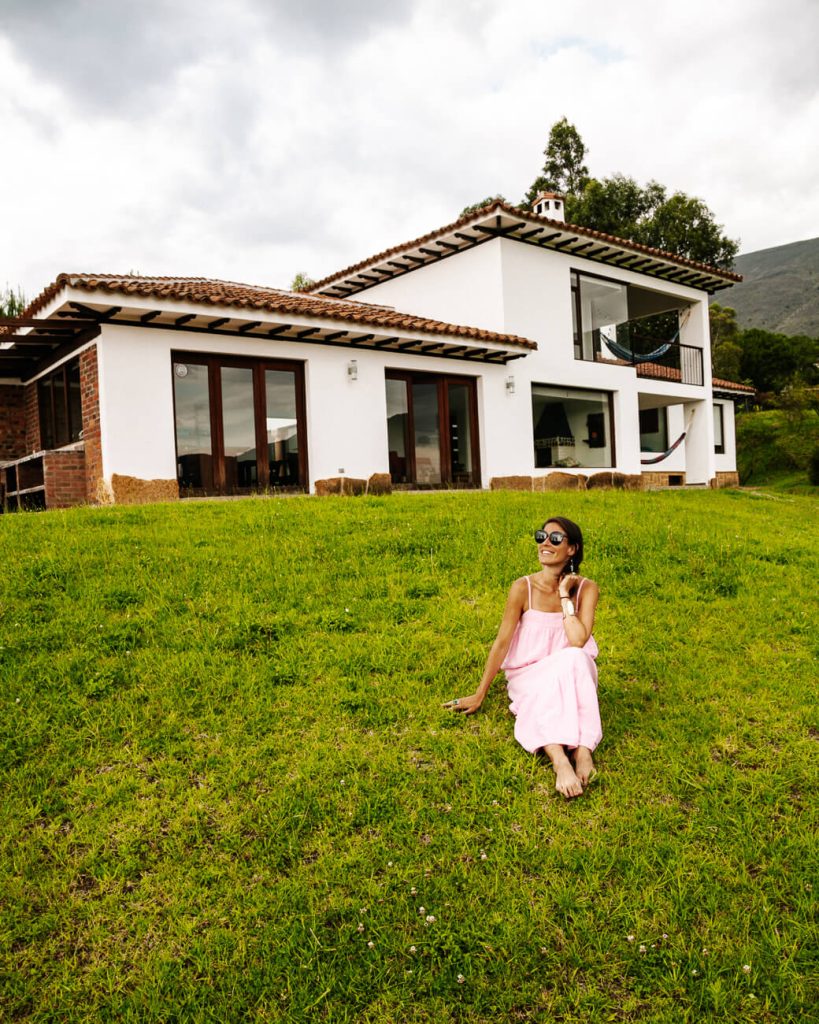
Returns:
(571, 566)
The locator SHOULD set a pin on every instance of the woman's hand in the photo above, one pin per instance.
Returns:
(469, 705)
(567, 584)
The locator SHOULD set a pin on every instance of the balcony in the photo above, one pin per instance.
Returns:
(659, 360)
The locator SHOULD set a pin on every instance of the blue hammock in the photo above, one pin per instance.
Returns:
(624, 353)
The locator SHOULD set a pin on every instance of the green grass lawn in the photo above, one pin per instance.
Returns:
(230, 793)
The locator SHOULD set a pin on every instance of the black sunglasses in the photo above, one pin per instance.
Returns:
(555, 537)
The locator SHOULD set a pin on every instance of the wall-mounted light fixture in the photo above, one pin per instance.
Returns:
(352, 369)
(510, 385)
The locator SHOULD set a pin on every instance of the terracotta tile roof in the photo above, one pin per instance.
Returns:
(720, 384)
(536, 219)
(273, 300)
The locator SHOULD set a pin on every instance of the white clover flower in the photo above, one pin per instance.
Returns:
(370, 945)
(430, 919)
(665, 935)
(389, 863)
(642, 949)
(360, 926)
(484, 856)
(413, 891)
(363, 910)
(746, 968)
(413, 949)
(695, 971)
(461, 979)
(422, 910)
(629, 938)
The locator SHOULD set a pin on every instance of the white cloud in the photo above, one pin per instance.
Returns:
(253, 141)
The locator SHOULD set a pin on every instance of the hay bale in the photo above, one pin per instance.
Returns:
(634, 482)
(510, 483)
(560, 482)
(352, 485)
(131, 490)
(379, 483)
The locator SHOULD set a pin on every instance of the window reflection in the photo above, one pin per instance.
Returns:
(427, 432)
(238, 427)
(194, 465)
(397, 430)
(282, 427)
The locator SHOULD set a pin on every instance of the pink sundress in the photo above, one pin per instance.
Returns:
(552, 686)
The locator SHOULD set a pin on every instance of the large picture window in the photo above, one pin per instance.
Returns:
(60, 403)
(572, 427)
(239, 424)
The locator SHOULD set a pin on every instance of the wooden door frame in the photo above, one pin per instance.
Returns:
(257, 365)
(442, 380)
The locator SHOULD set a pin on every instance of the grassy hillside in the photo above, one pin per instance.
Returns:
(230, 792)
(780, 291)
(774, 448)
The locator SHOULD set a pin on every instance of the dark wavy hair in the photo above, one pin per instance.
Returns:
(575, 535)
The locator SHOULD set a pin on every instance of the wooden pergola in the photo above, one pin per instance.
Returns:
(41, 343)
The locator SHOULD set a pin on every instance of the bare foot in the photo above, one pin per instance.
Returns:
(566, 782)
(583, 765)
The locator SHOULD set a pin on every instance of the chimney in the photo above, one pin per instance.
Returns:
(549, 204)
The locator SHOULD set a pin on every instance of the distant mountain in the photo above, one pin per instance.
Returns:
(780, 291)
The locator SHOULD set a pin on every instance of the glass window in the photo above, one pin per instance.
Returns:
(427, 432)
(238, 427)
(571, 427)
(282, 427)
(60, 406)
(398, 430)
(719, 430)
(654, 429)
(460, 434)
(193, 443)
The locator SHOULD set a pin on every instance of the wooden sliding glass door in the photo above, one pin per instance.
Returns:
(239, 424)
(432, 430)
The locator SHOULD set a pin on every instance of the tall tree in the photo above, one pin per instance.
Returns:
(726, 350)
(618, 205)
(301, 282)
(483, 202)
(12, 303)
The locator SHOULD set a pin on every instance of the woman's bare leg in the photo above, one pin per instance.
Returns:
(583, 765)
(566, 781)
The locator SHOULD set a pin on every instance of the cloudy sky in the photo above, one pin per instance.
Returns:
(253, 139)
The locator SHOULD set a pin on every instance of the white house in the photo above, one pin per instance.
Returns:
(584, 354)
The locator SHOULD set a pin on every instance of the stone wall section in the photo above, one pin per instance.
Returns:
(12, 421)
(90, 396)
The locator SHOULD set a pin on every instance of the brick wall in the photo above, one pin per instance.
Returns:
(32, 409)
(64, 474)
(12, 421)
(90, 392)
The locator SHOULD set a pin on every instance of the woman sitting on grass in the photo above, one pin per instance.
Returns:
(546, 649)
